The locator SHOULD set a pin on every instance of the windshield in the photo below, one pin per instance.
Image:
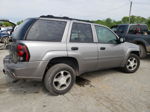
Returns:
(20, 30)
(122, 29)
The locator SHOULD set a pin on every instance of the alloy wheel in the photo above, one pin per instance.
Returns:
(132, 63)
(62, 80)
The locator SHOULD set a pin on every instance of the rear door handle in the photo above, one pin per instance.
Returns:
(102, 48)
(74, 48)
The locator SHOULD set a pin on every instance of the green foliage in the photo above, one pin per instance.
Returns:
(125, 20)
(109, 22)
(5, 24)
(19, 22)
(148, 22)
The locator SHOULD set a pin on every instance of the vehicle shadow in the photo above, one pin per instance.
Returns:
(37, 87)
(147, 59)
(25, 87)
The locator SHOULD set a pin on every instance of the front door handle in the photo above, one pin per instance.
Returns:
(102, 48)
(74, 48)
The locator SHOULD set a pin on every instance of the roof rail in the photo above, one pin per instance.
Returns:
(64, 17)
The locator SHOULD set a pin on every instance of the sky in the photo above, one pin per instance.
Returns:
(16, 10)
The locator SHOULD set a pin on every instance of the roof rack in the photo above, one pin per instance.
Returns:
(64, 17)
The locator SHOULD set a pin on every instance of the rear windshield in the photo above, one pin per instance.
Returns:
(47, 30)
(20, 31)
(138, 29)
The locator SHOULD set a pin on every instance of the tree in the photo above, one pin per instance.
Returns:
(125, 20)
(19, 22)
(148, 22)
(6, 24)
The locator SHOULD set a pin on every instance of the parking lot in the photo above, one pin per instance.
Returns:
(102, 91)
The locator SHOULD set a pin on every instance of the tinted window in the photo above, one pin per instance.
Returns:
(134, 29)
(144, 28)
(105, 35)
(138, 29)
(122, 29)
(81, 33)
(20, 31)
(47, 30)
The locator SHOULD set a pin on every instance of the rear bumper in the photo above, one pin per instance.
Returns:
(9, 73)
(24, 70)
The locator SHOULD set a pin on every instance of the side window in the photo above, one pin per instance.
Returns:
(104, 35)
(132, 29)
(135, 29)
(144, 28)
(81, 33)
(121, 29)
(47, 30)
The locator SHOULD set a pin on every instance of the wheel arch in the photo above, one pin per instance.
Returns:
(139, 42)
(71, 61)
(130, 51)
(135, 52)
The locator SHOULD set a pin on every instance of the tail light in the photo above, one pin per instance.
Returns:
(23, 53)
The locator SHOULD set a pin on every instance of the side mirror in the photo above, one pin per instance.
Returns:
(121, 40)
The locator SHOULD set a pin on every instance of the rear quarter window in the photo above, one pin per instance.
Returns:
(20, 30)
(47, 30)
(144, 28)
(138, 29)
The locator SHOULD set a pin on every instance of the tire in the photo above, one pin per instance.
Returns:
(59, 79)
(143, 53)
(132, 64)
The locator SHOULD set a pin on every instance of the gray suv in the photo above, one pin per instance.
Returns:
(55, 50)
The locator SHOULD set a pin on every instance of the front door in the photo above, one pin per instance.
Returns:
(111, 52)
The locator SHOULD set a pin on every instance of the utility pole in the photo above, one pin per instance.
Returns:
(130, 12)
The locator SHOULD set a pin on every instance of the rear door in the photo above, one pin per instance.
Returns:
(81, 46)
(110, 52)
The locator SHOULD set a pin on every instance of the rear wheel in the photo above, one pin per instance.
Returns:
(132, 64)
(143, 53)
(59, 79)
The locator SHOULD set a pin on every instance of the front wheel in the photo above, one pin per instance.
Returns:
(59, 79)
(132, 64)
